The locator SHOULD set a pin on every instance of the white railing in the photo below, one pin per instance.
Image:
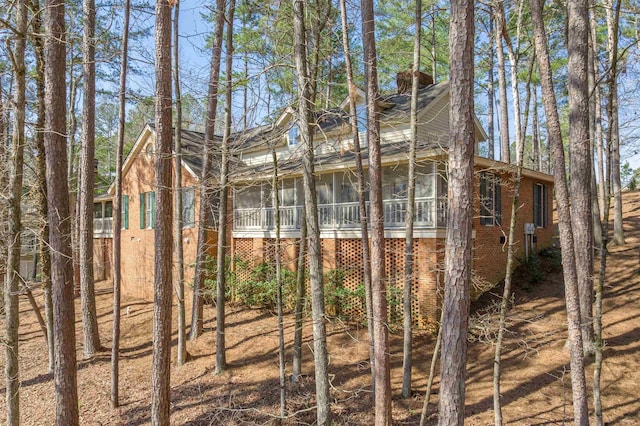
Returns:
(103, 227)
(427, 214)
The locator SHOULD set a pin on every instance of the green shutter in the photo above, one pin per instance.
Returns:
(153, 210)
(142, 210)
(125, 212)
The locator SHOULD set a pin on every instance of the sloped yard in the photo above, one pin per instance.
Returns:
(536, 381)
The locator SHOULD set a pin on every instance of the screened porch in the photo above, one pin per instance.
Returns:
(338, 206)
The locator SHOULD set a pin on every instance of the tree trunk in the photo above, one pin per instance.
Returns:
(301, 288)
(117, 212)
(12, 273)
(580, 163)
(177, 195)
(458, 245)
(41, 176)
(281, 348)
(411, 198)
(223, 217)
(578, 382)
(613, 22)
(163, 261)
(535, 130)
(511, 242)
(432, 372)
(86, 187)
(513, 53)
(505, 150)
(491, 91)
(305, 109)
(206, 181)
(364, 222)
(378, 282)
(65, 370)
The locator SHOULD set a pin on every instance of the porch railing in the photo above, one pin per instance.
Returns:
(103, 228)
(429, 213)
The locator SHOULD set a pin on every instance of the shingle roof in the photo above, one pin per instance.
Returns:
(394, 108)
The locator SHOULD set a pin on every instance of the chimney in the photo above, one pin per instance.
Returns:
(404, 81)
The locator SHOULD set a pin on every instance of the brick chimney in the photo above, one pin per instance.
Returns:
(403, 80)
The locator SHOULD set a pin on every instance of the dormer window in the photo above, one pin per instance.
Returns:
(149, 151)
(294, 134)
(361, 114)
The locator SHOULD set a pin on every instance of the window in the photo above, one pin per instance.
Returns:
(97, 210)
(125, 212)
(147, 210)
(324, 188)
(361, 114)
(149, 150)
(540, 205)
(490, 199)
(294, 134)
(188, 207)
(108, 209)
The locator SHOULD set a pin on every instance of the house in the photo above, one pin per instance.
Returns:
(251, 237)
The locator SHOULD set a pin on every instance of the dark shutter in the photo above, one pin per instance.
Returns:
(125, 212)
(142, 210)
(153, 209)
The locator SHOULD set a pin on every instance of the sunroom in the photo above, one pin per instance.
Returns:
(338, 206)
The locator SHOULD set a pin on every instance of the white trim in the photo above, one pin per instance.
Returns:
(346, 233)
(145, 134)
(496, 166)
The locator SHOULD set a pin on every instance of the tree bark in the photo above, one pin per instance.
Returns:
(65, 369)
(511, 242)
(580, 163)
(578, 382)
(206, 180)
(12, 273)
(432, 372)
(304, 112)
(281, 347)
(458, 246)
(41, 175)
(378, 282)
(177, 195)
(223, 217)
(613, 22)
(491, 90)
(505, 150)
(301, 289)
(411, 198)
(87, 179)
(535, 129)
(163, 261)
(117, 212)
(364, 222)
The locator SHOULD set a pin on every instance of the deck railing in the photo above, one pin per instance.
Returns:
(429, 213)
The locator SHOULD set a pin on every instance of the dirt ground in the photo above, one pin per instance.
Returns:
(536, 386)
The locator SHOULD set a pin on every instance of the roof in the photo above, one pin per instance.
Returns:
(394, 152)
(394, 109)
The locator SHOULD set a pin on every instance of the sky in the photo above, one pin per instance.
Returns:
(195, 60)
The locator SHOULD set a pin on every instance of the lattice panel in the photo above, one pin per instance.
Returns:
(269, 251)
(349, 259)
(243, 249)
